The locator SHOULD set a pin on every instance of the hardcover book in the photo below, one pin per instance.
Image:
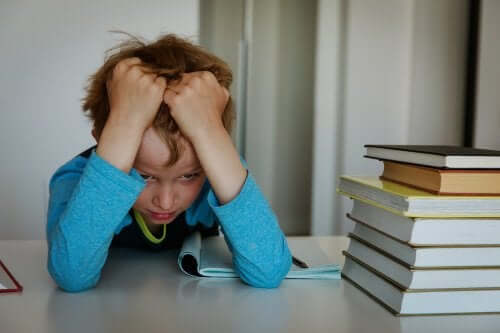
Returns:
(444, 181)
(402, 301)
(407, 201)
(454, 157)
(429, 256)
(422, 278)
(425, 231)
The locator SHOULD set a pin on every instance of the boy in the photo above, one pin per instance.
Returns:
(164, 165)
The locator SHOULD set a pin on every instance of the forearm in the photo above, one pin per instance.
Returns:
(221, 163)
(260, 251)
(119, 142)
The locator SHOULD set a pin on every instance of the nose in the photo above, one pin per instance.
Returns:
(164, 198)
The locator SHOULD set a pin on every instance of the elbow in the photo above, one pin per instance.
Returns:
(267, 276)
(71, 281)
(73, 286)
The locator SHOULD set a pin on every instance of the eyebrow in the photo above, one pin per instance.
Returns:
(189, 168)
(193, 167)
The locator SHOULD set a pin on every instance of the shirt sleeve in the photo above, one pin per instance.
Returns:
(260, 252)
(89, 203)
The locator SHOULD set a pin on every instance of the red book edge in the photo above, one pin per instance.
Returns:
(18, 288)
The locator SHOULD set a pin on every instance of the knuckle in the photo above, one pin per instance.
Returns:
(206, 75)
(195, 80)
(188, 90)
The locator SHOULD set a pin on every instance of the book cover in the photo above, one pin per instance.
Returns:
(440, 150)
(211, 257)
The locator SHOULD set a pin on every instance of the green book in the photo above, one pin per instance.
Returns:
(408, 201)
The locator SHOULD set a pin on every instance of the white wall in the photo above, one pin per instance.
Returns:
(279, 109)
(487, 122)
(49, 48)
(401, 71)
(278, 129)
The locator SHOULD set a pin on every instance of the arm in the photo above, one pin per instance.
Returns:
(89, 203)
(86, 210)
(260, 252)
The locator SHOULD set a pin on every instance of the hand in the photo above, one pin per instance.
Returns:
(196, 104)
(134, 94)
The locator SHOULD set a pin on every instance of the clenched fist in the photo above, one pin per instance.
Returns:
(134, 94)
(196, 103)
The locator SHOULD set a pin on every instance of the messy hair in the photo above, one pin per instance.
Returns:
(170, 56)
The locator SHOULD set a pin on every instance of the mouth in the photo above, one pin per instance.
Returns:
(161, 216)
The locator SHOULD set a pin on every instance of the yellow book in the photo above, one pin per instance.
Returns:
(408, 201)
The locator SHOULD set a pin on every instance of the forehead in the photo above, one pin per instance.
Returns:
(154, 152)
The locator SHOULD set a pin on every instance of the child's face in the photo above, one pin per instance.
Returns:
(170, 190)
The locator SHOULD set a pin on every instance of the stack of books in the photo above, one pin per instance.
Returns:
(427, 231)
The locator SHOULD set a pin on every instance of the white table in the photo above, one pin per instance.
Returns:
(145, 293)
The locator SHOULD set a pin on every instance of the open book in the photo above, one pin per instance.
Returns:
(211, 257)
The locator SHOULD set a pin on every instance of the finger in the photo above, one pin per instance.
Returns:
(125, 64)
(142, 68)
(131, 61)
(161, 81)
(177, 88)
(184, 81)
(169, 96)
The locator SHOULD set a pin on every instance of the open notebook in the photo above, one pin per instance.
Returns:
(211, 257)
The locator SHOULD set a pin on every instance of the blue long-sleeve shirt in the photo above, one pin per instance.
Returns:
(89, 205)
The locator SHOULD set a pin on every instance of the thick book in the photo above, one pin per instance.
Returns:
(418, 278)
(454, 157)
(423, 231)
(8, 283)
(408, 201)
(444, 181)
(402, 301)
(430, 256)
(210, 257)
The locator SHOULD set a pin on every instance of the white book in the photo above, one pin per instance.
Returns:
(408, 277)
(420, 231)
(464, 256)
(406, 302)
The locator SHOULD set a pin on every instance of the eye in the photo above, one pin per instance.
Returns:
(190, 176)
(147, 178)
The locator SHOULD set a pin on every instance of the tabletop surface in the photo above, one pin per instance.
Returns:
(146, 292)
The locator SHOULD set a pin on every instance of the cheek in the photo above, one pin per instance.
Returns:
(143, 199)
(190, 193)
